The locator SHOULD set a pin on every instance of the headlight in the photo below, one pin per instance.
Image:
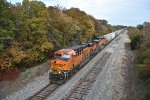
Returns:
(59, 72)
(49, 71)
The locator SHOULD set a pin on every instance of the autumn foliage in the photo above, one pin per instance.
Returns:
(140, 41)
(30, 30)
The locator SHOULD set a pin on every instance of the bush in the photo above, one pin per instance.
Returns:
(144, 64)
(135, 42)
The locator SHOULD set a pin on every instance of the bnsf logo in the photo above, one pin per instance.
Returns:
(56, 64)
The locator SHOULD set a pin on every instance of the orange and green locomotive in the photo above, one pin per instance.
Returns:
(67, 61)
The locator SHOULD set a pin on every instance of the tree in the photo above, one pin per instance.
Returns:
(140, 27)
(7, 34)
(7, 27)
(105, 22)
(32, 31)
(86, 23)
(135, 42)
(62, 28)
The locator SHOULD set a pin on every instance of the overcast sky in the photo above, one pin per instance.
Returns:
(116, 12)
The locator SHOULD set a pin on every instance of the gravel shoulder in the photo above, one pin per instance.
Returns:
(29, 82)
(109, 84)
(115, 82)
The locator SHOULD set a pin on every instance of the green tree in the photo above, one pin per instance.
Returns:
(140, 27)
(62, 27)
(135, 42)
(87, 23)
(32, 24)
(105, 22)
(7, 33)
(7, 27)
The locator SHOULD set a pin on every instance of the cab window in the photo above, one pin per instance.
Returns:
(57, 56)
(65, 57)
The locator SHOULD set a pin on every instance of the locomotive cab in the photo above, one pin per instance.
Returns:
(63, 57)
(60, 64)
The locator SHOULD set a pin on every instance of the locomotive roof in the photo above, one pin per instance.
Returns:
(90, 43)
(65, 51)
(84, 44)
(93, 42)
(101, 37)
(96, 40)
(77, 47)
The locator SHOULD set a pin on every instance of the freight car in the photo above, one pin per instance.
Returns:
(68, 61)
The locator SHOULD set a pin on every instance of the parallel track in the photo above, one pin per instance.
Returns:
(84, 86)
(44, 93)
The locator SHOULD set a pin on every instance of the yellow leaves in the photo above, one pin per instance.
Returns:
(46, 46)
(13, 55)
(16, 53)
(32, 56)
(4, 62)
(105, 29)
(83, 39)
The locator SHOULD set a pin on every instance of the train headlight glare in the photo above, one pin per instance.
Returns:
(49, 71)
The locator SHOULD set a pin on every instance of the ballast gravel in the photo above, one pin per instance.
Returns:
(29, 89)
(28, 83)
(110, 82)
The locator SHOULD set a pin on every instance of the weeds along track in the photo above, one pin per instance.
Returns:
(82, 89)
(44, 93)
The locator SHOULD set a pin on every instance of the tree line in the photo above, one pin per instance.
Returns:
(30, 31)
(140, 41)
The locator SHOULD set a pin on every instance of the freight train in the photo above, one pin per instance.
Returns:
(66, 62)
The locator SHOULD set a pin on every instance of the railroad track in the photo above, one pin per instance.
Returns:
(44, 93)
(81, 89)
(84, 86)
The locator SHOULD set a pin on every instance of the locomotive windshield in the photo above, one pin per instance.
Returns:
(65, 57)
